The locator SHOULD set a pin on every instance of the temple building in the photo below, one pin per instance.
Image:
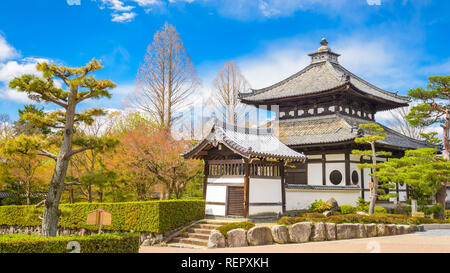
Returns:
(320, 109)
(250, 171)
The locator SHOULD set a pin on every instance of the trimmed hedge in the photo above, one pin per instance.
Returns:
(225, 228)
(150, 216)
(102, 243)
(382, 218)
(347, 209)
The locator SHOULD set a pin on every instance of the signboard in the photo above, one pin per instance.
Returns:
(99, 217)
(418, 214)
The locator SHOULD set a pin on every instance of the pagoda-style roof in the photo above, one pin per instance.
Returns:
(247, 142)
(337, 128)
(324, 74)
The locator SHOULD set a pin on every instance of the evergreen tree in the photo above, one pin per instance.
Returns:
(63, 122)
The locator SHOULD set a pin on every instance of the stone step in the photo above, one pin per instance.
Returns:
(180, 245)
(206, 226)
(196, 236)
(215, 222)
(190, 241)
(199, 230)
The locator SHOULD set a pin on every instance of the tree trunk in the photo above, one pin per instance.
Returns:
(51, 210)
(373, 197)
(445, 136)
(440, 199)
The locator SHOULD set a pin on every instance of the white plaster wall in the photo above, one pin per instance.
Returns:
(314, 173)
(335, 166)
(302, 199)
(265, 190)
(218, 210)
(447, 199)
(353, 167)
(253, 210)
(335, 157)
(226, 180)
(216, 193)
(315, 156)
(354, 157)
(402, 196)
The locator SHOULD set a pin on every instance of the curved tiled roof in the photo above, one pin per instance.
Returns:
(338, 128)
(248, 142)
(323, 74)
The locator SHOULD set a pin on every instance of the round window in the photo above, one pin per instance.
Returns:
(336, 177)
(355, 178)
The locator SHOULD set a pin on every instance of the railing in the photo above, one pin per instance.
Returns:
(237, 168)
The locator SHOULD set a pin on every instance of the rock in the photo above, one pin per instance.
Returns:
(216, 239)
(280, 234)
(412, 228)
(346, 231)
(300, 232)
(328, 213)
(330, 231)
(334, 204)
(362, 213)
(83, 232)
(420, 228)
(391, 229)
(146, 242)
(402, 229)
(259, 235)
(381, 230)
(318, 232)
(371, 230)
(361, 231)
(160, 237)
(237, 237)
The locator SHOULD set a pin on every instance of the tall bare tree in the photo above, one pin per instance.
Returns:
(228, 83)
(401, 124)
(166, 78)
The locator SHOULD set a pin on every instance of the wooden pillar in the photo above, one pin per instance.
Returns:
(347, 169)
(246, 187)
(324, 170)
(362, 179)
(283, 188)
(205, 178)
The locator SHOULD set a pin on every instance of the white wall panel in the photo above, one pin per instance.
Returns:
(265, 190)
(254, 210)
(314, 173)
(218, 210)
(216, 193)
(335, 166)
(302, 199)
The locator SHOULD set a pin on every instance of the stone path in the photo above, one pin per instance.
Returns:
(434, 241)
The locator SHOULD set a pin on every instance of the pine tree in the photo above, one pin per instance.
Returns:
(374, 134)
(80, 87)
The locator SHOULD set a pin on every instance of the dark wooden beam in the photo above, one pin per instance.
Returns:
(283, 187)
(246, 187)
(205, 178)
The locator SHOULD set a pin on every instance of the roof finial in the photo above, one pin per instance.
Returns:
(324, 42)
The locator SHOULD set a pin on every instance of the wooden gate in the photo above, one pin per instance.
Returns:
(235, 201)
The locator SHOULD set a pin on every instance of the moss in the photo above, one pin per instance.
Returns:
(347, 209)
(225, 228)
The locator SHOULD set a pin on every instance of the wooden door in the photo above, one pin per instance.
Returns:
(235, 201)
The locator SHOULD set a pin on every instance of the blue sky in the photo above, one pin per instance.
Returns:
(393, 44)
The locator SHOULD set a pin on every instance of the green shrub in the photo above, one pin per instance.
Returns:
(434, 210)
(378, 209)
(150, 216)
(362, 205)
(103, 243)
(347, 209)
(225, 228)
(319, 206)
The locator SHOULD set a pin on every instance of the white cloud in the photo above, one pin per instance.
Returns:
(123, 17)
(145, 3)
(9, 69)
(74, 2)
(7, 51)
(116, 5)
